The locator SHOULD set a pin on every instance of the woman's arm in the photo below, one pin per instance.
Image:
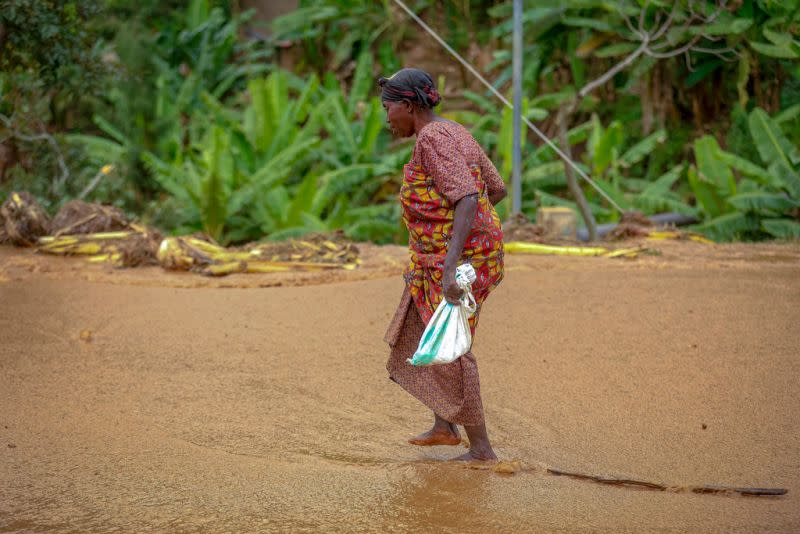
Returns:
(465, 211)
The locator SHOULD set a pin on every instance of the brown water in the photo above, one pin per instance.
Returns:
(270, 410)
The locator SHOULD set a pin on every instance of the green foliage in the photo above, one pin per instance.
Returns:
(165, 74)
(293, 161)
(50, 63)
(206, 133)
(659, 195)
(334, 32)
(765, 199)
(52, 38)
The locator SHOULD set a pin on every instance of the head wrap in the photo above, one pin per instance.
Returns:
(414, 85)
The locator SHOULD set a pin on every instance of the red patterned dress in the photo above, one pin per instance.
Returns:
(447, 164)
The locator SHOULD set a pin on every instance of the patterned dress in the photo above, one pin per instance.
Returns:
(447, 164)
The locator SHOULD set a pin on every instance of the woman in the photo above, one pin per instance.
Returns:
(448, 193)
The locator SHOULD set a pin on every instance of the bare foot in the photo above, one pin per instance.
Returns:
(437, 436)
(477, 456)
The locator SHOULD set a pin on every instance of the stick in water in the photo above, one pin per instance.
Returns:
(613, 481)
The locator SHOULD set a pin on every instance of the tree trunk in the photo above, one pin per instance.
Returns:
(8, 157)
(563, 119)
(775, 104)
(646, 96)
(697, 111)
(756, 74)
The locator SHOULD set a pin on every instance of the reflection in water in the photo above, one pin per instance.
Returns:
(436, 496)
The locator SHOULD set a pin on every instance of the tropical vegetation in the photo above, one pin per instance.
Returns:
(214, 122)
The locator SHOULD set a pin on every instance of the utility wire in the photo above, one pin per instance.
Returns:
(505, 101)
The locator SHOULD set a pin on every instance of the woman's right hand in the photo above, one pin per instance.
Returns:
(452, 293)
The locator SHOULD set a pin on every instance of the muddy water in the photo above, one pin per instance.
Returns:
(270, 410)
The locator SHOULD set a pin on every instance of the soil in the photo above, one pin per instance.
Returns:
(145, 400)
(519, 228)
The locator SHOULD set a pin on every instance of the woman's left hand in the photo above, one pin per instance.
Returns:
(452, 293)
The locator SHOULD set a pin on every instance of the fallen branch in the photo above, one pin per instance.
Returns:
(627, 482)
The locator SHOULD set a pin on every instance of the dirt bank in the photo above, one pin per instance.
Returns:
(188, 404)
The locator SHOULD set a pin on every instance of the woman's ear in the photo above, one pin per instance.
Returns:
(409, 106)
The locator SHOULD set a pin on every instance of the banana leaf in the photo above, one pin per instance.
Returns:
(702, 72)
(272, 172)
(603, 146)
(770, 141)
(336, 182)
(215, 186)
(788, 177)
(759, 200)
(778, 52)
(99, 149)
(576, 135)
(362, 82)
(536, 20)
(781, 228)
(747, 168)
(338, 127)
(543, 171)
(552, 101)
(706, 194)
(481, 101)
(373, 124)
(372, 230)
(305, 100)
(664, 183)
(725, 25)
(642, 149)
(302, 201)
(590, 23)
(110, 130)
(288, 25)
(729, 226)
(788, 114)
(233, 73)
(612, 191)
(711, 168)
(651, 203)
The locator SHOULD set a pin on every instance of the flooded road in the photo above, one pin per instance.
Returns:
(269, 409)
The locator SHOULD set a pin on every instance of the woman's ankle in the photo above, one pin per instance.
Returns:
(445, 428)
(482, 453)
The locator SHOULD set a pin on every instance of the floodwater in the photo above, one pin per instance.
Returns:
(130, 404)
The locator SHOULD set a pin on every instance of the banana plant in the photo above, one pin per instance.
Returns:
(778, 37)
(333, 31)
(305, 159)
(544, 176)
(609, 166)
(659, 195)
(266, 144)
(195, 51)
(761, 203)
(323, 203)
(274, 118)
(353, 122)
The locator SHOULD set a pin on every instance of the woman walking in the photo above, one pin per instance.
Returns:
(448, 195)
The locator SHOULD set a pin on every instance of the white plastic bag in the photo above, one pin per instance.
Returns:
(447, 336)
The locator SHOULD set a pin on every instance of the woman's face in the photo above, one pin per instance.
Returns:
(400, 117)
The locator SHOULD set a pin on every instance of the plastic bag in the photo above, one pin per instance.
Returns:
(447, 336)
